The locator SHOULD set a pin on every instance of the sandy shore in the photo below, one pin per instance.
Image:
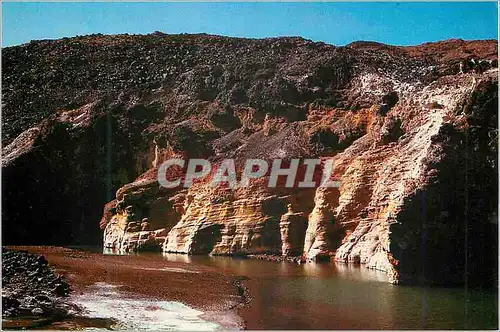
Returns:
(202, 288)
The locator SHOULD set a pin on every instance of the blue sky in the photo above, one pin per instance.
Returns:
(335, 23)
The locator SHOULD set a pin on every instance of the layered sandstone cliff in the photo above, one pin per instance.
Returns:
(412, 132)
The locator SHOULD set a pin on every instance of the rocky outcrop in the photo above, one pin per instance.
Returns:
(293, 228)
(412, 132)
(30, 288)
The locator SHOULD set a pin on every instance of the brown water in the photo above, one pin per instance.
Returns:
(338, 296)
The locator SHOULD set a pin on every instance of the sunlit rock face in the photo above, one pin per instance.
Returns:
(293, 228)
(411, 131)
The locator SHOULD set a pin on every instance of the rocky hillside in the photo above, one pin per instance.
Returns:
(412, 131)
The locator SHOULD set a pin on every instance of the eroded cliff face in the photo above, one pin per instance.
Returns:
(412, 132)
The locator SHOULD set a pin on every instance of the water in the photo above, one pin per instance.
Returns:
(107, 301)
(338, 296)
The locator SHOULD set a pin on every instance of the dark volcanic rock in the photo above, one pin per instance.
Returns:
(30, 287)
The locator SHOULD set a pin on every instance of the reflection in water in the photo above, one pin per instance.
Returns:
(106, 251)
(348, 296)
(345, 296)
(177, 258)
(354, 271)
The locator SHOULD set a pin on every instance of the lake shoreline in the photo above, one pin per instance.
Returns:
(215, 295)
(257, 294)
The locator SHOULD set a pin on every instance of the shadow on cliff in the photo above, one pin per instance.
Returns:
(54, 193)
(447, 233)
